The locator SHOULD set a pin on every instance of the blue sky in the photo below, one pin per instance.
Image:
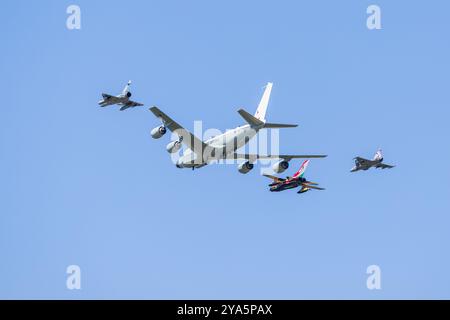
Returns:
(88, 186)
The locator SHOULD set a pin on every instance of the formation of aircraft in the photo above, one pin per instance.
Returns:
(297, 180)
(200, 153)
(122, 99)
(365, 164)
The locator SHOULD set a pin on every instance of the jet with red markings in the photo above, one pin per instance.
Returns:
(297, 180)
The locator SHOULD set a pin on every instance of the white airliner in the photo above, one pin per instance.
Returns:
(200, 153)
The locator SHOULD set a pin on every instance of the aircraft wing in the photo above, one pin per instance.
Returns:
(287, 157)
(384, 166)
(191, 141)
(303, 189)
(312, 187)
(309, 186)
(276, 179)
(133, 104)
(124, 107)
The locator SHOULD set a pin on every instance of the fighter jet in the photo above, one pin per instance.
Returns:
(376, 162)
(297, 180)
(122, 99)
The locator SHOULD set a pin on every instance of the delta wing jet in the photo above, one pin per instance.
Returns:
(122, 99)
(297, 180)
(200, 153)
(365, 164)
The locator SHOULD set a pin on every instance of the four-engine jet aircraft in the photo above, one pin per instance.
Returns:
(297, 180)
(365, 164)
(122, 99)
(200, 153)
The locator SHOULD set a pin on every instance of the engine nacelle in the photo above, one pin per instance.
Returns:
(128, 94)
(173, 147)
(280, 166)
(158, 132)
(245, 167)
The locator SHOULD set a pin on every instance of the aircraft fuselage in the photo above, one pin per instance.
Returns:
(222, 146)
(119, 100)
(285, 185)
(367, 165)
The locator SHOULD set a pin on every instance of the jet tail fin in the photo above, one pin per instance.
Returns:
(378, 155)
(259, 119)
(127, 88)
(302, 169)
(260, 113)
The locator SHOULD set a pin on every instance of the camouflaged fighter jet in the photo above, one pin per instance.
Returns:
(297, 180)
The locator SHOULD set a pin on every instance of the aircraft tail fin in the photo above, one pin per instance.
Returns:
(302, 170)
(126, 90)
(259, 119)
(260, 113)
(378, 155)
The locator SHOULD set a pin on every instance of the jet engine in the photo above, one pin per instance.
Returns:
(158, 132)
(173, 147)
(280, 166)
(245, 167)
(128, 94)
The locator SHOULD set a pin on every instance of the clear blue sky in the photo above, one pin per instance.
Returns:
(88, 186)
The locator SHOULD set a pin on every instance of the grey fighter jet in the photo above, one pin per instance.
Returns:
(365, 164)
(122, 99)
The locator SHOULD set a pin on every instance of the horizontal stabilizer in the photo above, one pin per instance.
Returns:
(254, 122)
(251, 120)
(279, 125)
